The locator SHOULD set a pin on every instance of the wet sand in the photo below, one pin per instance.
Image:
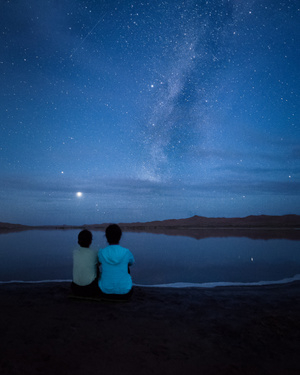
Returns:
(232, 330)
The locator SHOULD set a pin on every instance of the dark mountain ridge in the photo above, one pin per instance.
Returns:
(252, 221)
(284, 221)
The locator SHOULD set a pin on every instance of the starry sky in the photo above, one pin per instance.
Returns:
(122, 111)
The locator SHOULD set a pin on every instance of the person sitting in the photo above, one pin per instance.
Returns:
(85, 267)
(115, 281)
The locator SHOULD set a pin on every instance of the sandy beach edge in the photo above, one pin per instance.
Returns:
(223, 330)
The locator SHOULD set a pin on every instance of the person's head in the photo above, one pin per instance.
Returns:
(85, 238)
(113, 234)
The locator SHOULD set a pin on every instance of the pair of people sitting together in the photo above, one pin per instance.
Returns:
(114, 280)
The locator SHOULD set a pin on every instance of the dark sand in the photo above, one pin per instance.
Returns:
(232, 330)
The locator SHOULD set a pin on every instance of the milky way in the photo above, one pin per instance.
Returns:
(151, 110)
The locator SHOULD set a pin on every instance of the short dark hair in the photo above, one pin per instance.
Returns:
(85, 238)
(113, 234)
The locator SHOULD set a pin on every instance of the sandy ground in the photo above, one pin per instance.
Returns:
(232, 330)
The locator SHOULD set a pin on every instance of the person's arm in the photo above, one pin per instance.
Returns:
(131, 259)
(98, 270)
(98, 265)
(130, 262)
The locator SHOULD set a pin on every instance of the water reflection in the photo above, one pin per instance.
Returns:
(160, 259)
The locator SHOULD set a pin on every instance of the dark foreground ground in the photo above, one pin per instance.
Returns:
(232, 330)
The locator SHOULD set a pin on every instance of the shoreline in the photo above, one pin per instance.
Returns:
(175, 285)
(222, 330)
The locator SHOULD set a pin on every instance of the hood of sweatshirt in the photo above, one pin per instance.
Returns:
(114, 254)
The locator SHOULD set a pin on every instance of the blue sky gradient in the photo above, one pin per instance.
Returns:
(152, 109)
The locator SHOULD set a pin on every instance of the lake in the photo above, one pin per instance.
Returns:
(37, 255)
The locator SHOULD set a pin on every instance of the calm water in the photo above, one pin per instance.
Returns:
(160, 259)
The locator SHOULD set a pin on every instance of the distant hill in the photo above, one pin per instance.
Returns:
(261, 221)
(8, 227)
(195, 222)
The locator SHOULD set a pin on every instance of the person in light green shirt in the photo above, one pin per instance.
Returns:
(85, 266)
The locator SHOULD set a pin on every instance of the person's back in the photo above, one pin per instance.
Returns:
(85, 266)
(115, 278)
(115, 260)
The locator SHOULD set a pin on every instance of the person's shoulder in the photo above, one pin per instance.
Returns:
(93, 251)
(123, 248)
(86, 250)
(127, 251)
(100, 251)
(76, 249)
(79, 252)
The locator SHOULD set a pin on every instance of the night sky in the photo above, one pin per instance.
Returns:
(121, 111)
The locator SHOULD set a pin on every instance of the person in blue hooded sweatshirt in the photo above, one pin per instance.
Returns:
(115, 280)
